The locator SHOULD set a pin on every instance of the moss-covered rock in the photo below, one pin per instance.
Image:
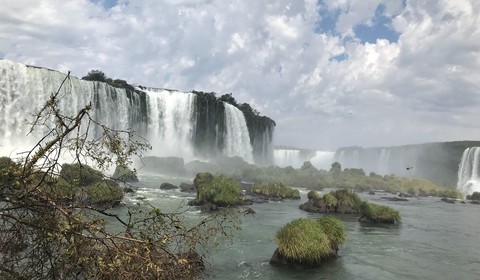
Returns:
(84, 185)
(375, 213)
(275, 190)
(313, 195)
(80, 174)
(218, 190)
(124, 174)
(338, 201)
(304, 243)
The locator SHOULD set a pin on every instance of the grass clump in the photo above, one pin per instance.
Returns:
(330, 200)
(276, 189)
(347, 198)
(309, 241)
(219, 190)
(313, 195)
(378, 213)
(303, 241)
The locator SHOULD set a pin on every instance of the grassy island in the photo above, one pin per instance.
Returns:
(305, 242)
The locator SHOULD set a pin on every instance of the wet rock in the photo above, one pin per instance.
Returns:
(448, 200)
(168, 186)
(390, 198)
(184, 187)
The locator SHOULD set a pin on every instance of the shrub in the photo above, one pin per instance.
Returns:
(347, 198)
(219, 190)
(313, 195)
(474, 196)
(330, 200)
(275, 189)
(379, 213)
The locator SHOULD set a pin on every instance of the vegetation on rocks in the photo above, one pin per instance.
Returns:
(275, 190)
(307, 242)
(219, 190)
(474, 196)
(349, 178)
(42, 237)
(124, 174)
(378, 213)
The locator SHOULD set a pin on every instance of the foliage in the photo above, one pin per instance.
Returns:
(313, 195)
(474, 196)
(334, 228)
(347, 198)
(103, 192)
(219, 190)
(275, 189)
(308, 241)
(44, 236)
(330, 200)
(95, 75)
(379, 213)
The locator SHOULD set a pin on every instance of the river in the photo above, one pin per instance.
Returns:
(434, 240)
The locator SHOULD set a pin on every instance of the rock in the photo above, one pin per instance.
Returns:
(389, 198)
(208, 207)
(404, 195)
(124, 174)
(371, 193)
(448, 200)
(475, 202)
(188, 188)
(128, 189)
(168, 186)
(315, 206)
(279, 260)
(463, 202)
(248, 211)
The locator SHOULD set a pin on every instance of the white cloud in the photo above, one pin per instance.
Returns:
(425, 87)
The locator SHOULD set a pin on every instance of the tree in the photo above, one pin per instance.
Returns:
(336, 168)
(42, 237)
(95, 75)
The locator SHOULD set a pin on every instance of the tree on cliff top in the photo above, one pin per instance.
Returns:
(42, 237)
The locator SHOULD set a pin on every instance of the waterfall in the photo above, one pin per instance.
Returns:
(469, 171)
(287, 157)
(323, 159)
(173, 122)
(296, 158)
(170, 123)
(237, 139)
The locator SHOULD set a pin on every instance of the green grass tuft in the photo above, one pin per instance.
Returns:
(308, 241)
(379, 213)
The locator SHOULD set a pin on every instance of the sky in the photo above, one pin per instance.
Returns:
(331, 73)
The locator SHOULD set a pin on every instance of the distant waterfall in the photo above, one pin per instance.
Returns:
(237, 140)
(469, 171)
(296, 158)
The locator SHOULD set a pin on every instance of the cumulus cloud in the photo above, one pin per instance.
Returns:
(324, 88)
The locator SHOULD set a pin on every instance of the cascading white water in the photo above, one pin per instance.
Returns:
(165, 118)
(237, 139)
(323, 160)
(469, 171)
(296, 158)
(287, 157)
(384, 161)
(170, 123)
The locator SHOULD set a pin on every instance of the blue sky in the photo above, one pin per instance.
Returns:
(331, 73)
